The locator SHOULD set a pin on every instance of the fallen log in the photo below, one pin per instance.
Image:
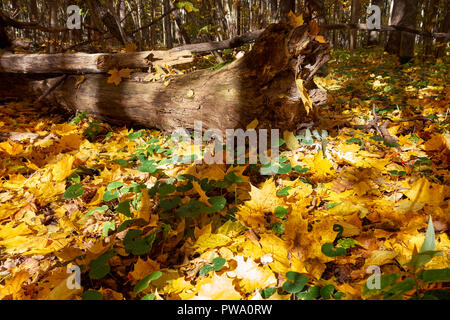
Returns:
(262, 85)
(79, 63)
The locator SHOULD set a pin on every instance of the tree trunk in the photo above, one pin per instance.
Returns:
(5, 42)
(168, 26)
(79, 63)
(285, 7)
(274, 10)
(261, 85)
(53, 23)
(445, 28)
(111, 23)
(356, 11)
(400, 43)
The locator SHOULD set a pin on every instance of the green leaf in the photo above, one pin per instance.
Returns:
(348, 243)
(192, 209)
(150, 296)
(99, 267)
(217, 204)
(386, 280)
(124, 208)
(329, 250)
(135, 135)
(284, 168)
(377, 138)
(420, 259)
(400, 288)
(327, 292)
(392, 144)
(218, 263)
(144, 283)
(281, 212)
(278, 228)
(435, 275)
(338, 295)
(148, 166)
(108, 195)
(125, 225)
(232, 178)
(166, 189)
(74, 191)
(136, 245)
(122, 162)
(311, 294)
(331, 205)
(169, 204)
(397, 173)
(355, 140)
(300, 169)
(100, 209)
(114, 185)
(296, 282)
(108, 226)
(284, 191)
(92, 295)
(75, 178)
(207, 268)
(267, 293)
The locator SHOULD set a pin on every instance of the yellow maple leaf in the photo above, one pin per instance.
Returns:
(216, 288)
(251, 275)
(294, 20)
(11, 148)
(63, 168)
(322, 166)
(210, 241)
(144, 209)
(304, 95)
(116, 75)
(320, 39)
(424, 191)
(380, 257)
(279, 249)
(13, 285)
(262, 201)
(142, 268)
(291, 141)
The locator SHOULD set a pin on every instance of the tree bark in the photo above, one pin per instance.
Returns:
(285, 7)
(167, 25)
(356, 11)
(79, 63)
(109, 21)
(443, 28)
(260, 85)
(400, 43)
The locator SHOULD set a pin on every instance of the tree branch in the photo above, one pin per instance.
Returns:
(353, 26)
(221, 45)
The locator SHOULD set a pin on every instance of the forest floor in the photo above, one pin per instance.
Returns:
(80, 193)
